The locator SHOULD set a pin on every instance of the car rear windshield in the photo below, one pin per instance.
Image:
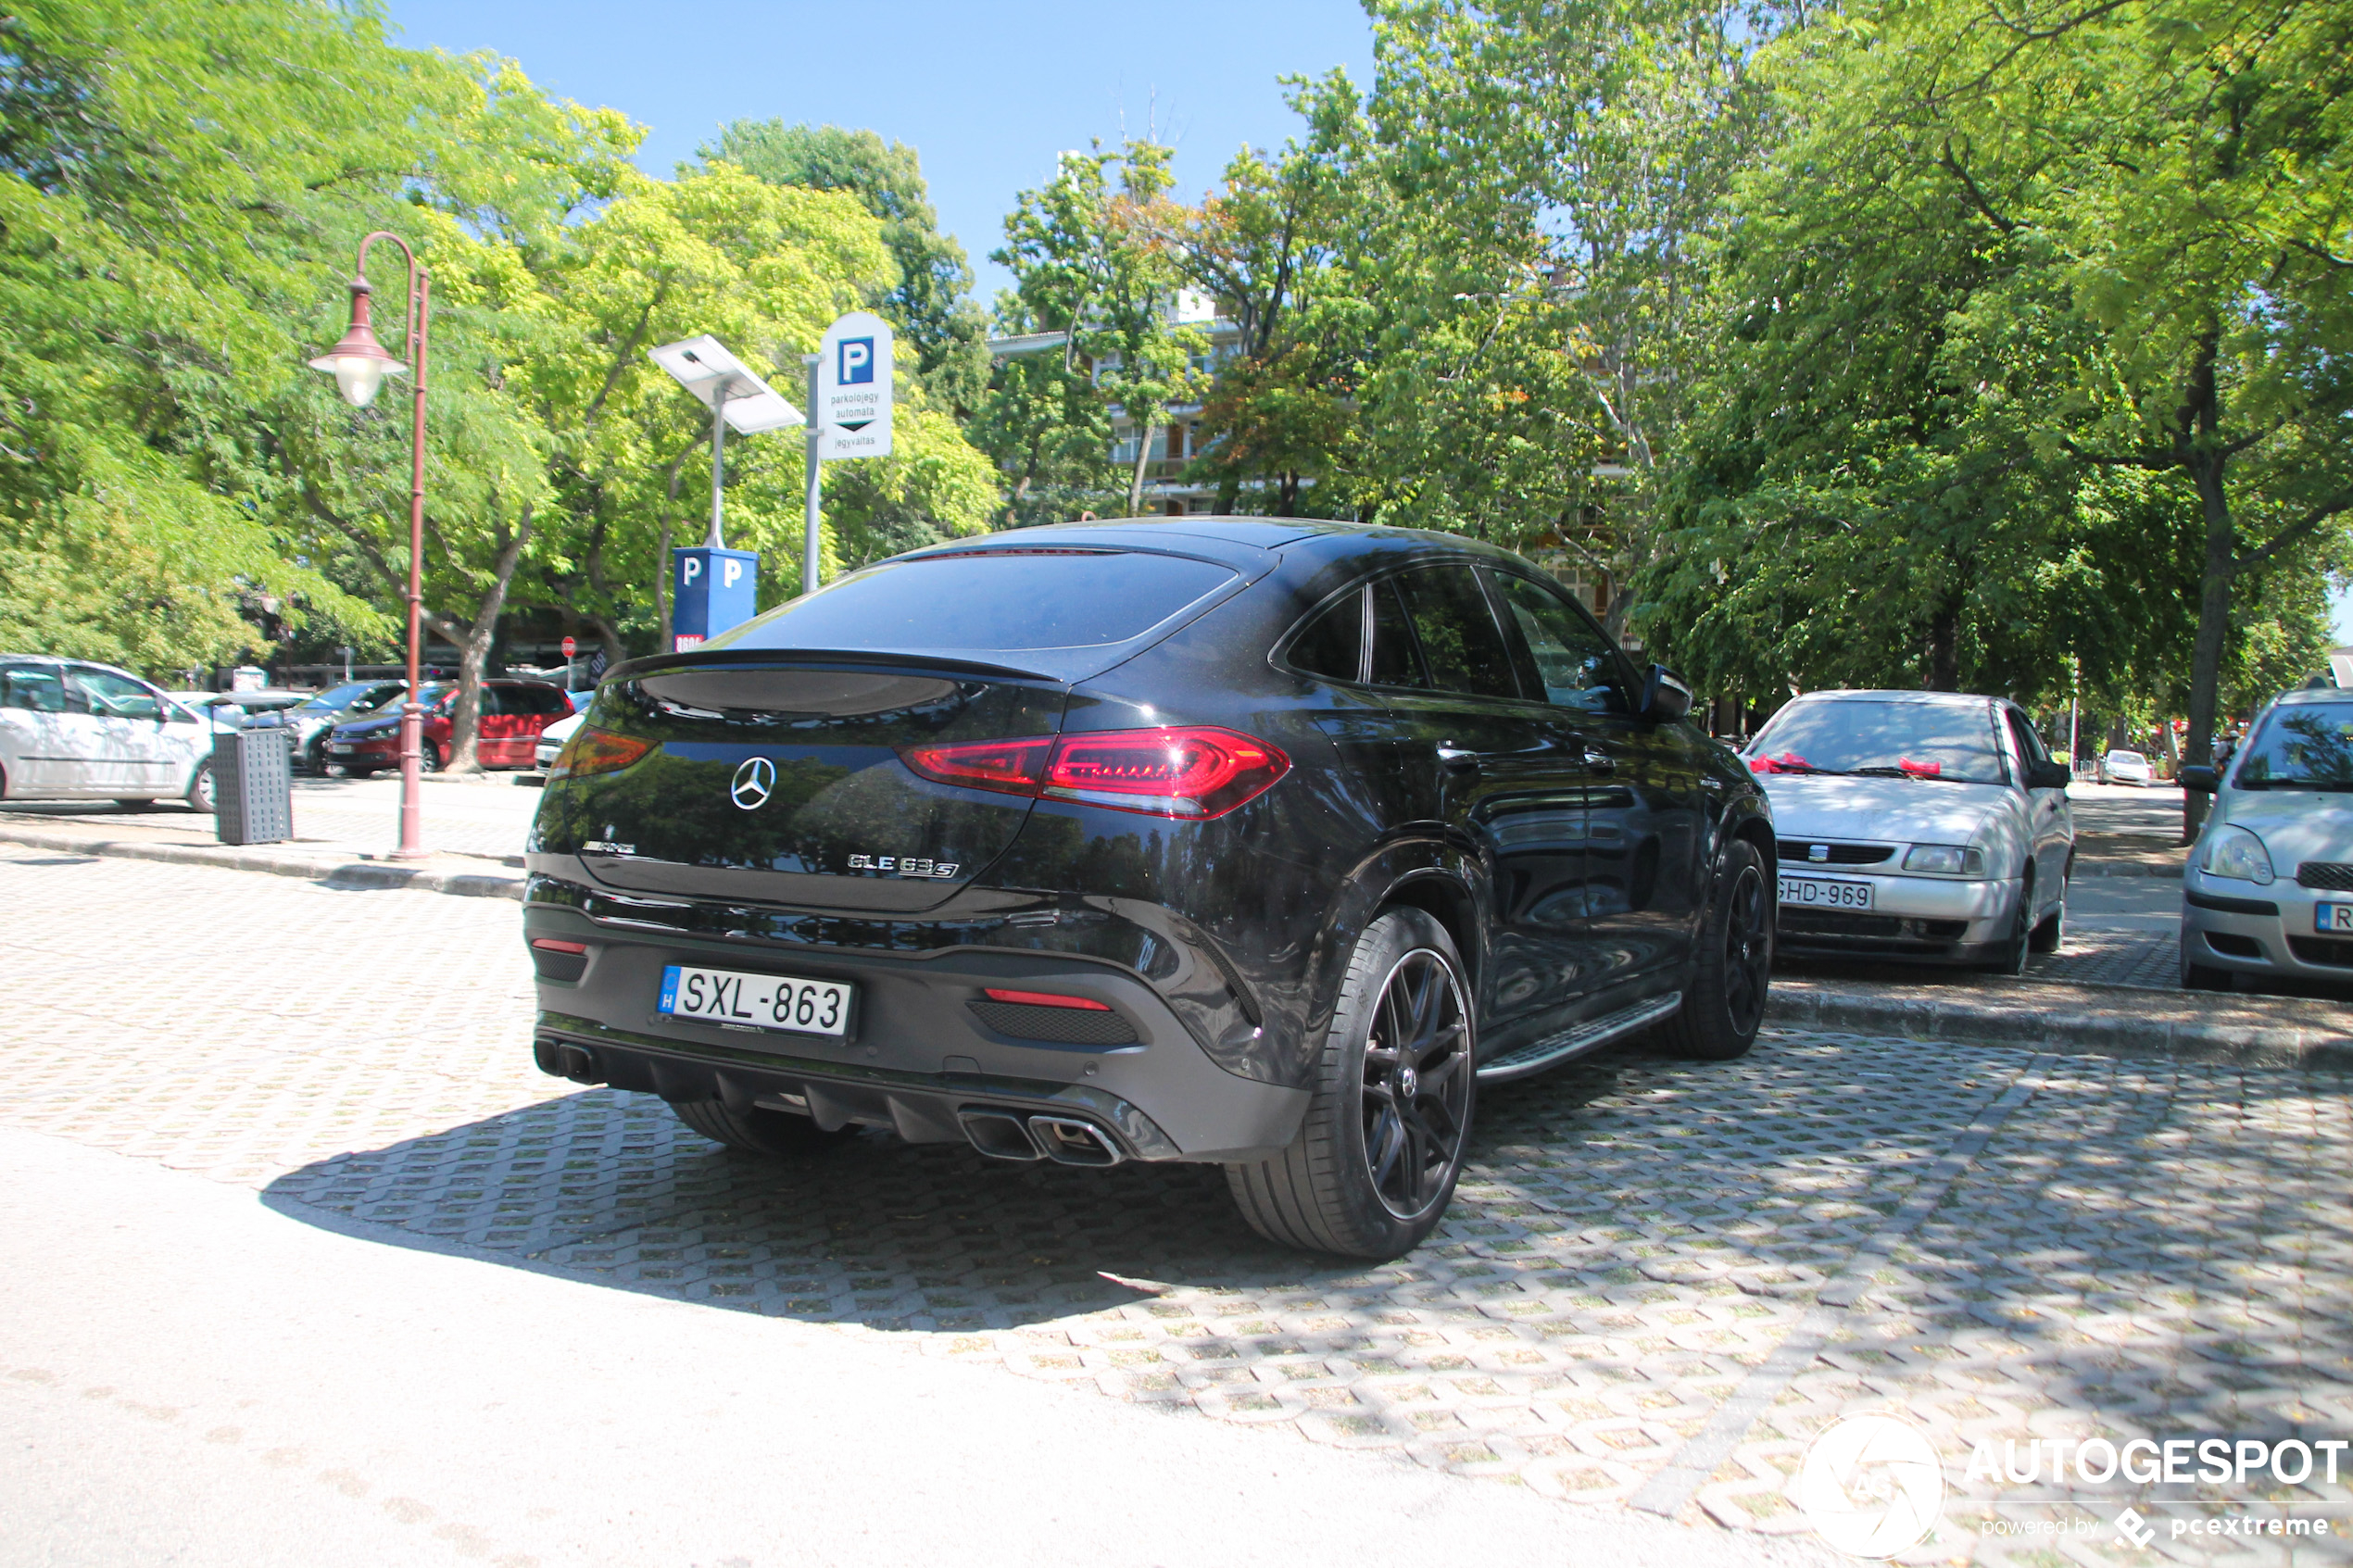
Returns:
(2309, 745)
(988, 601)
(1897, 740)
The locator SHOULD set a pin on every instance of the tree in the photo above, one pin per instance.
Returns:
(930, 301)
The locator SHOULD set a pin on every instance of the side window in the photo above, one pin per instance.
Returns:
(1394, 662)
(33, 689)
(118, 697)
(2022, 736)
(1573, 660)
(551, 700)
(1461, 644)
(1333, 643)
(498, 702)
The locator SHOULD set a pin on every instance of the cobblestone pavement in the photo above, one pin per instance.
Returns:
(2000, 1245)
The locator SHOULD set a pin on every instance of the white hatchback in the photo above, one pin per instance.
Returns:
(1918, 825)
(76, 731)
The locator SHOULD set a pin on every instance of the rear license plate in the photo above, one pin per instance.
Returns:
(2333, 917)
(756, 1001)
(1808, 894)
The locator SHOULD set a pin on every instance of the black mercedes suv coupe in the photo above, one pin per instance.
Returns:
(1265, 843)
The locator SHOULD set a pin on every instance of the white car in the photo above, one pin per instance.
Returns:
(75, 731)
(552, 738)
(2268, 885)
(2126, 768)
(1917, 825)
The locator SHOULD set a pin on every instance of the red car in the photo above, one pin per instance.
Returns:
(513, 712)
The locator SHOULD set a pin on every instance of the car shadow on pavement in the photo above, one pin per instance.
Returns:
(609, 1188)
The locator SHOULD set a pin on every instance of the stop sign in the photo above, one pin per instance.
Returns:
(571, 647)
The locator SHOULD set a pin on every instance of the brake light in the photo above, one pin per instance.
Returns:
(1190, 771)
(595, 751)
(1015, 766)
(1045, 1000)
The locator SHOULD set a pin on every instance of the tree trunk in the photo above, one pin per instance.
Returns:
(2213, 627)
(1287, 495)
(1143, 461)
(1944, 651)
(473, 654)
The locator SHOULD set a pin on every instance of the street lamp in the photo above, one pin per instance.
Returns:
(359, 364)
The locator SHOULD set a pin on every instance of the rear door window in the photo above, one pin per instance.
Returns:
(1463, 649)
(993, 601)
(1333, 643)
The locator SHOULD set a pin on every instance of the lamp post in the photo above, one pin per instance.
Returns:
(359, 364)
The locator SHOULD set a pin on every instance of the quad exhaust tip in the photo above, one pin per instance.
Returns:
(1066, 1140)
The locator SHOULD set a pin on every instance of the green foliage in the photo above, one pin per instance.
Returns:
(929, 303)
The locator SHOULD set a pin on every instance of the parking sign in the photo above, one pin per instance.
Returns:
(853, 388)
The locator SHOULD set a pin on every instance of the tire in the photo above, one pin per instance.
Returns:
(1724, 1003)
(2009, 958)
(429, 758)
(199, 796)
(1364, 1178)
(2048, 936)
(778, 1134)
(2204, 977)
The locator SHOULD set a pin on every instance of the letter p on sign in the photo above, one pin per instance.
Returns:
(856, 362)
(731, 573)
(689, 567)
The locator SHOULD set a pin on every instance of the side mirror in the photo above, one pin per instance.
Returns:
(1665, 698)
(2048, 776)
(2201, 778)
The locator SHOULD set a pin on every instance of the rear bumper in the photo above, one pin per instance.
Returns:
(2261, 930)
(919, 1057)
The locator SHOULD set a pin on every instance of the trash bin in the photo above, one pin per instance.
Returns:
(253, 785)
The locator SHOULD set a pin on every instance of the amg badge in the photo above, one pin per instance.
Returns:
(902, 865)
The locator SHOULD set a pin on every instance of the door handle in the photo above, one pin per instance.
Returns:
(1600, 761)
(1454, 760)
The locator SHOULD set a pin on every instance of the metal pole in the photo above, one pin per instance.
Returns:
(412, 719)
(2074, 684)
(718, 460)
(808, 537)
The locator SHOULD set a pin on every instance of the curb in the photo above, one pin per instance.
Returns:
(2016, 1021)
(350, 874)
(2124, 868)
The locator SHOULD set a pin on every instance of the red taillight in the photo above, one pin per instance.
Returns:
(1018, 766)
(1188, 772)
(595, 751)
(1046, 1000)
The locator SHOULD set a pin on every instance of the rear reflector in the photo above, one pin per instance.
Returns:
(1045, 1000)
(554, 945)
(1194, 771)
(592, 751)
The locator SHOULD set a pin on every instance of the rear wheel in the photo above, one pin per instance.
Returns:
(199, 796)
(1385, 1133)
(778, 1134)
(1724, 1003)
(430, 758)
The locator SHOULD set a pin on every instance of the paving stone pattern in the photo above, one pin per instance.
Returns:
(2140, 1249)
(2151, 960)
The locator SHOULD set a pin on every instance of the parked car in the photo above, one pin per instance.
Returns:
(513, 712)
(1923, 825)
(2268, 885)
(70, 730)
(236, 710)
(312, 718)
(552, 738)
(1263, 843)
(2126, 768)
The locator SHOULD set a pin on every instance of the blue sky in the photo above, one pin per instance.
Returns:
(988, 94)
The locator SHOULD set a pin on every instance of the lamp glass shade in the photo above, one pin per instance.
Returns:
(358, 364)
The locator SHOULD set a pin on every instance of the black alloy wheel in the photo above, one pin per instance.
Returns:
(1732, 972)
(1388, 1128)
(1417, 1090)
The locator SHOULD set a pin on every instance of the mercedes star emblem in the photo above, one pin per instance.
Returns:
(755, 782)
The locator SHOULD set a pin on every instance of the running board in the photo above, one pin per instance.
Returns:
(1590, 1035)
